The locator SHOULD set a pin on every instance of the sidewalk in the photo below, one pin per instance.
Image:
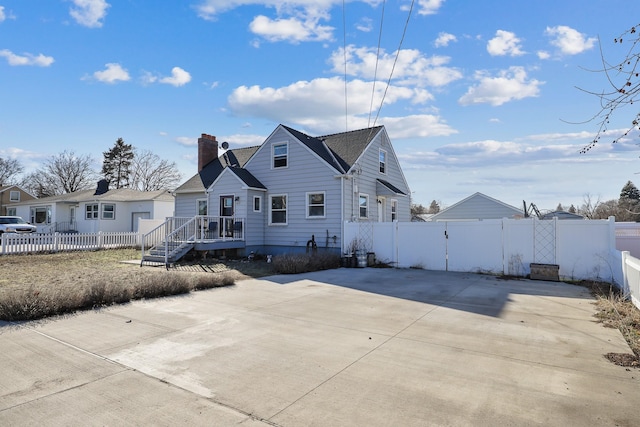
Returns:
(346, 347)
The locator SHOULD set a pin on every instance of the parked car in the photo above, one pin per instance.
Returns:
(15, 224)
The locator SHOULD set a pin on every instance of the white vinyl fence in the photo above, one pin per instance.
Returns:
(581, 249)
(30, 243)
(631, 271)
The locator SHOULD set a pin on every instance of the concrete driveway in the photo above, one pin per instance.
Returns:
(347, 347)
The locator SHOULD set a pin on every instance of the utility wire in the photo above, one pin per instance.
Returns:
(404, 32)
(375, 73)
(344, 53)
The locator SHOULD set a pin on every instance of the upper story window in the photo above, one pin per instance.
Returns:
(91, 211)
(278, 211)
(383, 161)
(315, 205)
(363, 204)
(108, 211)
(14, 196)
(280, 155)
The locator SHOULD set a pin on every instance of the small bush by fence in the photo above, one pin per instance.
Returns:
(57, 242)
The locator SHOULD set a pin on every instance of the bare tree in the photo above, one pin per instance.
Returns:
(62, 173)
(589, 206)
(149, 172)
(623, 79)
(9, 170)
(607, 209)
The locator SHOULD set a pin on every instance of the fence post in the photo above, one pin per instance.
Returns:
(56, 237)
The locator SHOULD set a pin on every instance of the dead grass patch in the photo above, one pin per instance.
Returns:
(614, 310)
(42, 285)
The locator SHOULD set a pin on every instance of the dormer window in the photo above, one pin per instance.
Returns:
(280, 155)
(383, 161)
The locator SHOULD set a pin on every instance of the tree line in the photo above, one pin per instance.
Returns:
(123, 166)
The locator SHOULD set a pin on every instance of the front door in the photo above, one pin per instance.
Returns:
(227, 210)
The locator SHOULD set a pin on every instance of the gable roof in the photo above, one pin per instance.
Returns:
(347, 147)
(386, 188)
(237, 157)
(115, 195)
(338, 150)
(477, 206)
(243, 175)
(4, 188)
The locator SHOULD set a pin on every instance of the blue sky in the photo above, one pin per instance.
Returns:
(479, 98)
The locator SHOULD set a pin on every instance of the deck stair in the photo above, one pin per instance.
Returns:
(169, 242)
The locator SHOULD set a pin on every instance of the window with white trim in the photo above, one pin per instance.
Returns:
(394, 210)
(12, 211)
(41, 215)
(278, 210)
(383, 161)
(315, 205)
(14, 196)
(363, 204)
(202, 207)
(91, 211)
(257, 204)
(108, 211)
(280, 154)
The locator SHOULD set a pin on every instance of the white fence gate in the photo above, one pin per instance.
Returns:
(582, 249)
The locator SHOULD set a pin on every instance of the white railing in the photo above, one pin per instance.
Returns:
(56, 242)
(631, 273)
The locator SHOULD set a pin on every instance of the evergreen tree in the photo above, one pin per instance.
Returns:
(572, 209)
(434, 207)
(560, 208)
(629, 203)
(116, 166)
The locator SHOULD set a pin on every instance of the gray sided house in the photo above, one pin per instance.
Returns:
(90, 211)
(294, 188)
(475, 207)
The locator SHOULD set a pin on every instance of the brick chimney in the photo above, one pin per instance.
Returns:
(207, 150)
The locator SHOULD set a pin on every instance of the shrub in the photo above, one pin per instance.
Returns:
(302, 263)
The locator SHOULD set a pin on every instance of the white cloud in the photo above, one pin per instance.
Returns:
(365, 25)
(412, 67)
(505, 43)
(39, 60)
(444, 39)
(543, 54)
(319, 104)
(294, 29)
(508, 85)
(426, 7)
(89, 13)
(568, 40)
(179, 77)
(3, 16)
(210, 9)
(112, 74)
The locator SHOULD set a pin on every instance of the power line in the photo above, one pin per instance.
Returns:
(404, 32)
(375, 73)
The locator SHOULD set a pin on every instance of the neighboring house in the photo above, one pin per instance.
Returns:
(295, 187)
(561, 215)
(90, 211)
(10, 195)
(475, 207)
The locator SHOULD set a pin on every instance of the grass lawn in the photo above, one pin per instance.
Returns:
(38, 285)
